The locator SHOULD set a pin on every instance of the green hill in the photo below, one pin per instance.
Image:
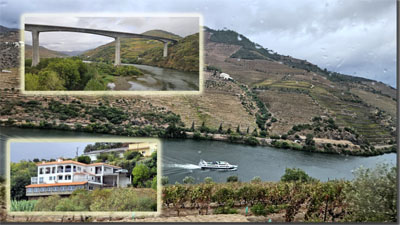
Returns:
(183, 55)
(131, 48)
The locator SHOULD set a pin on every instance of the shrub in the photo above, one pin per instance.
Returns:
(251, 141)
(164, 180)
(188, 180)
(232, 179)
(84, 159)
(372, 195)
(258, 209)
(208, 180)
(256, 179)
(295, 174)
(48, 203)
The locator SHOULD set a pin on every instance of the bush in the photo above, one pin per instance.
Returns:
(188, 180)
(47, 204)
(23, 205)
(232, 179)
(372, 195)
(258, 209)
(295, 174)
(164, 180)
(256, 180)
(251, 141)
(84, 159)
(208, 180)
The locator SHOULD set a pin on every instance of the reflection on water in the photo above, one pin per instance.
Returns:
(156, 78)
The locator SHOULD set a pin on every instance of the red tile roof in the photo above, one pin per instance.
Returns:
(62, 162)
(56, 184)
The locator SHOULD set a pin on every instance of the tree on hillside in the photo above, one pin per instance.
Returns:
(84, 159)
(140, 174)
(220, 130)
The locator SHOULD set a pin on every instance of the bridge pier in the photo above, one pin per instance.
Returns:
(165, 49)
(35, 48)
(117, 61)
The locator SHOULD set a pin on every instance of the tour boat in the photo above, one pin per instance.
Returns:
(217, 165)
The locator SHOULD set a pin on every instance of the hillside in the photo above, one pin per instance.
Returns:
(44, 52)
(184, 55)
(131, 48)
(268, 93)
(295, 91)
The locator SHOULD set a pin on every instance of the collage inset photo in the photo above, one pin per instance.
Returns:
(96, 53)
(83, 176)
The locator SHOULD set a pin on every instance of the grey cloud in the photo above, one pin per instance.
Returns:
(356, 35)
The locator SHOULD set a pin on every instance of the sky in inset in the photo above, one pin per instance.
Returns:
(70, 41)
(45, 150)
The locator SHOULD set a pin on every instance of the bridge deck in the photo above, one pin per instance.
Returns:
(113, 34)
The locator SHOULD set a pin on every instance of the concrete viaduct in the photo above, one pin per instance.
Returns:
(37, 28)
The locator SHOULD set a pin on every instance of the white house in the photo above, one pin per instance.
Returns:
(63, 177)
(225, 76)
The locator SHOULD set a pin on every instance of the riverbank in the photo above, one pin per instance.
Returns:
(319, 147)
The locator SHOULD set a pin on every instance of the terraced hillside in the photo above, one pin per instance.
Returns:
(295, 90)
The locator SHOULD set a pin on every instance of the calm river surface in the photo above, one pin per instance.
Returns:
(181, 157)
(158, 79)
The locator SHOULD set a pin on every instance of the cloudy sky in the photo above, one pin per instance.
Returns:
(45, 150)
(356, 37)
(69, 41)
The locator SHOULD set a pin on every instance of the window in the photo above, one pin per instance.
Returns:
(68, 169)
(29, 190)
(53, 170)
(50, 178)
(40, 180)
(56, 188)
(35, 189)
(74, 168)
(41, 189)
(62, 188)
(41, 171)
(47, 170)
(60, 169)
(67, 177)
(79, 169)
(60, 177)
(70, 188)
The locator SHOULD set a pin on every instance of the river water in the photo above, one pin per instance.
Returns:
(180, 158)
(157, 79)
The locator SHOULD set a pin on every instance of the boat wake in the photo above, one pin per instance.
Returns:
(184, 166)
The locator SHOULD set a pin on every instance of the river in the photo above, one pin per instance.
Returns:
(181, 157)
(156, 79)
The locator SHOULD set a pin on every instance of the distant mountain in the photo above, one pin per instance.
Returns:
(44, 52)
(7, 29)
(131, 48)
(72, 53)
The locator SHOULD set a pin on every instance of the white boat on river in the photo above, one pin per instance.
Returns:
(217, 165)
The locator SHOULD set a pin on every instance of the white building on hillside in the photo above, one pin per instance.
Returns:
(225, 76)
(63, 177)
